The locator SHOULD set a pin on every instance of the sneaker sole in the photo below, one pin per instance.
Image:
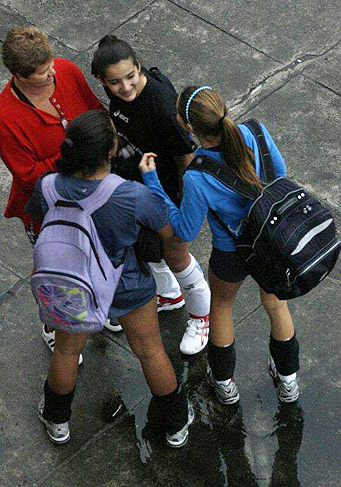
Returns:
(178, 445)
(114, 328)
(171, 307)
(63, 440)
(192, 354)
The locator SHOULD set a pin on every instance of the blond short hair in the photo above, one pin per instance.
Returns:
(25, 48)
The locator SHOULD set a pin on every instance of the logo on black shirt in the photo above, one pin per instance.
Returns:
(120, 115)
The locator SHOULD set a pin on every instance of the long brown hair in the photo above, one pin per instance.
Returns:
(208, 116)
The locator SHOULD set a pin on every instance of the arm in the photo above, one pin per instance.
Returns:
(37, 206)
(21, 160)
(186, 221)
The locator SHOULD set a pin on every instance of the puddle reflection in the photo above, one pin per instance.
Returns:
(289, 421)
(221, 451)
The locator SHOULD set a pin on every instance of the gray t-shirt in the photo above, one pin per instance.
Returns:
(118, 223)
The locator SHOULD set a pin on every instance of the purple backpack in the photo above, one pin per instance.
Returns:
(74, 280)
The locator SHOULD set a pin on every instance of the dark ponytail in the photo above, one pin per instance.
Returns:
(111, 50)
(89, 139)
(208, 116)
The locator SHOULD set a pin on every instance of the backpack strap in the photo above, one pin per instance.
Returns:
(90, 204)
(48, 189)
(264, 153)
(221, 172)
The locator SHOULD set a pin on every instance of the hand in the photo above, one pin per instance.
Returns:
(147, 162)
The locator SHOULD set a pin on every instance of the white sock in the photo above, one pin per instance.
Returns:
(195, 289)
(287, 378)
(223, 382)
(166, 284)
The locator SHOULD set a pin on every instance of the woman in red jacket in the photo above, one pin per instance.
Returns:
(42, 96)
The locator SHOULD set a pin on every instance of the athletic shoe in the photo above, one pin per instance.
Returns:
(196, 335)
(286, 391)
(49, 339)
(57, 433)
(226, 393)
(168, 304)
(180, 438)
(113, 326)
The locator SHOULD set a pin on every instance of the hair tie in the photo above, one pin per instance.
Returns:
(70, 143)
(189, 101)
(221, 119)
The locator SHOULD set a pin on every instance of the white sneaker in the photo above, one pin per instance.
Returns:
(226, 393)
(180, 438)
(113, 326)
(57, 433)
(196, 336)
(49, 339)
(286, 391)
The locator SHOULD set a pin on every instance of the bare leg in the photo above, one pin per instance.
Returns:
(141, 327)
(63, 369)
(282, 327)
(176, 255)
(223, 295)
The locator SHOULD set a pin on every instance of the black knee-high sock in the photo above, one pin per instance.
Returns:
(174, 408)
(57, 407)
(222, 360)
(285, 355)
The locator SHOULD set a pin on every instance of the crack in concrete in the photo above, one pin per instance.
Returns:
(225, 32)
(12, 291)
(133, 16)
(239, 322)
(321, 84)
(280, 75)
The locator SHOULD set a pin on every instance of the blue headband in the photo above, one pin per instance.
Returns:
(189, 101)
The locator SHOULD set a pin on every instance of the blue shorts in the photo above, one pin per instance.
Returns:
(227, 266)
(134, 288)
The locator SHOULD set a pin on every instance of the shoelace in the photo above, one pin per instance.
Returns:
(195, 326)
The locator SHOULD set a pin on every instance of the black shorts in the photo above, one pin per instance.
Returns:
(227, 266)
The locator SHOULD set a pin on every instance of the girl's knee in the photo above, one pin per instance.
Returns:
(271, 304)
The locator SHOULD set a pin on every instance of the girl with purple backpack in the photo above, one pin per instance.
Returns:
(91, 141)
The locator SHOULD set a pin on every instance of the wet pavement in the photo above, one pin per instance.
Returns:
(277, 61)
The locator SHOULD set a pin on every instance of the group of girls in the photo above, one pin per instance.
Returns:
(149, 128)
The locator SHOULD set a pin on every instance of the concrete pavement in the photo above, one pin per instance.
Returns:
(276, 61)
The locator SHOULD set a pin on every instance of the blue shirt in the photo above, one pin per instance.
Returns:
(203, 191)
(118, 223)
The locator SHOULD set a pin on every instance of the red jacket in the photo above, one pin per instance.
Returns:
(30, 138)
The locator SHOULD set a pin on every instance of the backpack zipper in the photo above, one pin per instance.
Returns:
(72, 277)
(79, 227)
(317, 260)
(287, 205)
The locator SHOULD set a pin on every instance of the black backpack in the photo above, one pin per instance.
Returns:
(289, 244)
(162, 78)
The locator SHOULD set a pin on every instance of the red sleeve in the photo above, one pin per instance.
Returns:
(22, 161)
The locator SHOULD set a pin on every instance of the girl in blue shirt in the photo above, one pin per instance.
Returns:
(91, 141)
(202, 112)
